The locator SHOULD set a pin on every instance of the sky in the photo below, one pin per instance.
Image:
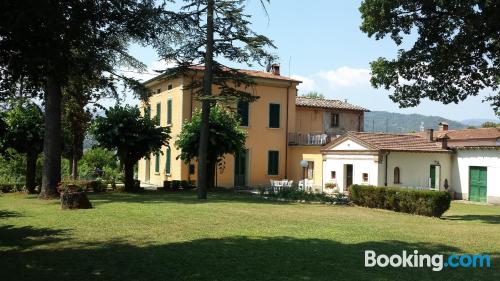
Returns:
(319, 42)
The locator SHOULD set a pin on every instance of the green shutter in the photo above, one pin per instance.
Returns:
(274, 115)
(272, 162)
(243, 107)
(157, 163)
(169, 112)
(158, 113)
(168, 164)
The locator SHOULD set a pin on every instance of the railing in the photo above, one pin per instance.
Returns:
(309, 138)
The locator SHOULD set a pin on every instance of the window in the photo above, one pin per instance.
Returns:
(333, 175)
(158, 113)
(273, 162)
(168, 161)
(334, 122)
(157, 163)
(169, 87)
(310, 170)
(158, 91)
(274, 115)
(365, 177)
(169, 112)
(191, 169)
(243, 107)
(397, 175)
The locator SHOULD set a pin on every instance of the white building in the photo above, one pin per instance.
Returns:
(467, 161)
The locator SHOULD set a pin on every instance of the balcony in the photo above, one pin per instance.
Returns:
(313, 139)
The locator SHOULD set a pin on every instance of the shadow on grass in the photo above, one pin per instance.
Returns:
(231, 258)
(8, 214)
(181, 197)
(491, 219)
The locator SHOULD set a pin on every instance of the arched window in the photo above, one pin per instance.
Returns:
(397, 176)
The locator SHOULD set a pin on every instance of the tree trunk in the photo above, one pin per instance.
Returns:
(211, 175)
(52, 140)
(74, 166)
(31, 171)
(203, 178)
(129, 176)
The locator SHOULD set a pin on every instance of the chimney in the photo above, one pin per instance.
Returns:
(443, 126)
(275, 69)
(429, 134)
(444, 141)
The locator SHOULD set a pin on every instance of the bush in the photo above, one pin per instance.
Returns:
(185, 184)
(299, 195)
(420, 202)
(98, 186)
(167, 185)
(176, 184)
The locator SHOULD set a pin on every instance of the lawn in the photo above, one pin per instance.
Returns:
(172, 236)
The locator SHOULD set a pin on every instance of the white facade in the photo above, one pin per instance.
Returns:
(464, 159)
(369, 166)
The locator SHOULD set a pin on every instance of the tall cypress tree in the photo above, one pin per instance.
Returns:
(210, 31)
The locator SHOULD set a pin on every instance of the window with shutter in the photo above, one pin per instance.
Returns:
(157, 163)
(273, 163)
(334, 123)
(158, 113)
(274, 115)
(169, 112)
(168, 161)
(243, 108)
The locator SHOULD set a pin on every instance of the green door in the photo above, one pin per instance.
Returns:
(433, 176)
(240, 169)
(477, 184)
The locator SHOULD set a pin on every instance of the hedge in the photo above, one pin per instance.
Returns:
(420, 202)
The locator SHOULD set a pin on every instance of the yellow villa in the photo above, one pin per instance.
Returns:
(283, 129)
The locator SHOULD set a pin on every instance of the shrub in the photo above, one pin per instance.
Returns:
(299, 195)
(98, 186)
(420, 202)
(185, 184)
(167, 185)
(176, 184)
(69, 185)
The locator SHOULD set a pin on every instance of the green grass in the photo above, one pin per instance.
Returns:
(172, 236)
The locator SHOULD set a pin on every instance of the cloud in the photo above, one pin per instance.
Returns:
(307, 85)
(150, 72)
(346, 77)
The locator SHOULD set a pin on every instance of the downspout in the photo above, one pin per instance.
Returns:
(386, 163)
(286, 131)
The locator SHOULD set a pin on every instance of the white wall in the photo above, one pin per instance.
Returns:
(361, 164)
(415, 168)
(348, 145)
(482, 158)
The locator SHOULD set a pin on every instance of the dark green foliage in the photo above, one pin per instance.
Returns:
(185, 184)
(490, 125)
(456, 53)
(176, 184)
(225, 137)
(167, 185)
(420, 202)
(132, 136)
(24, 133)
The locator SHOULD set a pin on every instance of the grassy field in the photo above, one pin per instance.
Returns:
(172, 236)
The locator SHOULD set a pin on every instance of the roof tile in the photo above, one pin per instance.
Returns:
(329, 104)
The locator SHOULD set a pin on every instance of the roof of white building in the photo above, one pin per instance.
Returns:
(325, 103)
(389, 142)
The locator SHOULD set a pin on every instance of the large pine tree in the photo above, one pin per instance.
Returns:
(211, 31)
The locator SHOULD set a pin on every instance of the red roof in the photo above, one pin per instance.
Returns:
(255, 73)
(329, 104)
(465, 134)
(392, 142)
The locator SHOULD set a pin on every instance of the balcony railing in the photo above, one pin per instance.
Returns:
(309, 138)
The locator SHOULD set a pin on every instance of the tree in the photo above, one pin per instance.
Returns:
(214, 30)
(314, 95)
(456, 53)
(24, 134)
(132, 137)
(225, 137)
(46, 42)
(490, 124)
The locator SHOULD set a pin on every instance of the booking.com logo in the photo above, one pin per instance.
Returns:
(436, 262)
